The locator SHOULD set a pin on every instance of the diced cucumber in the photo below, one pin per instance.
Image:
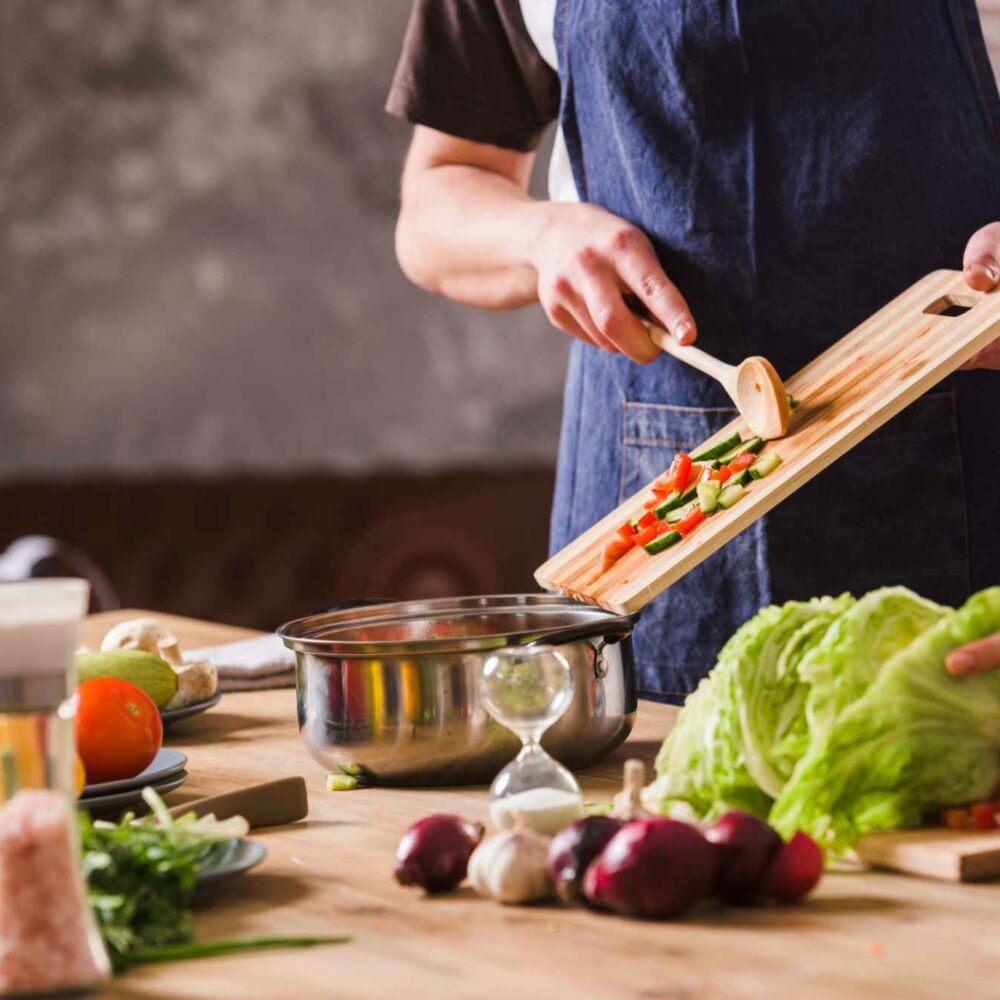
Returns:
(717, 449)
(753, 445)
(678, 515)
(792, 402)
(730, 495)
(674, 501)
(765, 465)
(742, 479)
(663, 542)
(708, 495)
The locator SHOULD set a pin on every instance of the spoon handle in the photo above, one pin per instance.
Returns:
(693, 356)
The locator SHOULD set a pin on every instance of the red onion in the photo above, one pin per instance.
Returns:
(574, 847)
(793, 871)
(746, 845)
(434, 853)
(652, 868)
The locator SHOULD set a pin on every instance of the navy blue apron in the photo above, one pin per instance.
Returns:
(797, 163)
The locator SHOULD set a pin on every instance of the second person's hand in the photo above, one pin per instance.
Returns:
(587, 260)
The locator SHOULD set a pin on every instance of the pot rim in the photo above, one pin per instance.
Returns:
(312, 633)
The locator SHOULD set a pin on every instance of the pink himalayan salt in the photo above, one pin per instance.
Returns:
(46, 936)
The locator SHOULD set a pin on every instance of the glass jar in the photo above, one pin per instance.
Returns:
(48, 939)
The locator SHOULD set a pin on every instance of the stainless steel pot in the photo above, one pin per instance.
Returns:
(393, 687)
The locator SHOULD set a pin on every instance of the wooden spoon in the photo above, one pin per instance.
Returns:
(753, 385)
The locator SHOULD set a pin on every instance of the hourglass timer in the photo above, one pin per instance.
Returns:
(526, 689)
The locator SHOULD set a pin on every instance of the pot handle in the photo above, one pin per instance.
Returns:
(609, 633)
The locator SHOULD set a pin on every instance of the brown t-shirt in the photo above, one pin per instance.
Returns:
(470, 68)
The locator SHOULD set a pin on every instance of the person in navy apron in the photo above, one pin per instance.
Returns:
(763, 174)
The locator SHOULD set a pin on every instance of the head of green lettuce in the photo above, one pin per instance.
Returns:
(837, 717)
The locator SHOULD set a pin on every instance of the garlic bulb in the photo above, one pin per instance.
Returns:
(512, 867)
(627, 804)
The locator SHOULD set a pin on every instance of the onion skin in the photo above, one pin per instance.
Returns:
(434, 853)
(652, 868)
(794, 870)
(746, 847)
(572, 850)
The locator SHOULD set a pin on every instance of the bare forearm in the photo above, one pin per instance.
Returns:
(468, 229)
(465, 232)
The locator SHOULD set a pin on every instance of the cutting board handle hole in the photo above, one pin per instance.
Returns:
(950, 305)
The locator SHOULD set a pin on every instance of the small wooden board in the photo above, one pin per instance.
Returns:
(849, 391)
(951, 855)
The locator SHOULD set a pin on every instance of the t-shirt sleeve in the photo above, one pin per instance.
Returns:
(469, 68)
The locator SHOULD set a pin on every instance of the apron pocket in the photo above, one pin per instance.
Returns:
(680, 633)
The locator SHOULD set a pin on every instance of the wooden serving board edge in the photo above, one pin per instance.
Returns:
(983, 329)
(948, 855)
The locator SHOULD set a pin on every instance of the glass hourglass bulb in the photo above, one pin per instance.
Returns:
(526, 689)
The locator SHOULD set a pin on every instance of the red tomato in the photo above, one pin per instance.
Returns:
(680, 469)
(689, 523)
(983, 816)
(647, 519)
(956, 819)
(118, 729)
(723, 474)
(741, 462)
(627, 533)
(647, 535)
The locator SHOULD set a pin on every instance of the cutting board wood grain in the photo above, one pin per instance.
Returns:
(845, 394)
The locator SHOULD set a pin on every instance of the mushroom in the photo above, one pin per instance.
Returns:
(146, 634)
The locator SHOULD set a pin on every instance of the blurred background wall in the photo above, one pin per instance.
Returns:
(214, 379)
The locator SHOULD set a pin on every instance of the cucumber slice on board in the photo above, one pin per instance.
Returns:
(708, 495)
(718, 449)
(730, 495)
(663, 542)
(753, 445)
(764, 465)
(674, 501)
(678, 515)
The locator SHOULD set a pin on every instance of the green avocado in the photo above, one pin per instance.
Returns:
(155, 676)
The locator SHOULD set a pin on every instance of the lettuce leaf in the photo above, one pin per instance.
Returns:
(726, 749)
(842, 666)
(917, 740)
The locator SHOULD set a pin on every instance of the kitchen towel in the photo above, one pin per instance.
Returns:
(250, 664)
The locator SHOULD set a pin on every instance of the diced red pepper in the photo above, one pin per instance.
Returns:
(982, 816)
(647, 519)
(956, 819)
(613, 551)
(689, 523)
(650, 504)
(709, 474)
(627, 533)
(679, 472)
(647, 535)
(741, 462)
(661, 492)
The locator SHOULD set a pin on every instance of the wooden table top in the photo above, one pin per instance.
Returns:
(870, 935)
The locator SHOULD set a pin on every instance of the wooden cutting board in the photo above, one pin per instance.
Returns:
(849, 391)
(952, 855)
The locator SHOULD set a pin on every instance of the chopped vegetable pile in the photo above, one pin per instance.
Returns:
(692, 489)
(837, 717)
(141, 876)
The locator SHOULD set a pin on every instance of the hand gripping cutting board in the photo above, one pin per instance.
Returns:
(849, 391)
